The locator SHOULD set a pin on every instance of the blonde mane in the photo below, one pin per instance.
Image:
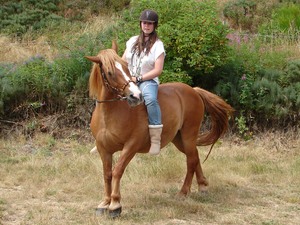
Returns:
(108, 58)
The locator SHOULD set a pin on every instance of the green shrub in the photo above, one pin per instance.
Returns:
(171, 76)
(262, 85)
(276, 99)
(259, 83)
(194, 38)
(44, 86)
(269, 97)
(17, 17)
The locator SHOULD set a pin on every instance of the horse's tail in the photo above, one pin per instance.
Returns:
(219, 112)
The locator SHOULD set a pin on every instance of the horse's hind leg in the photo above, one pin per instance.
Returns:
(192, 159)
(193, 164)
(201, 180)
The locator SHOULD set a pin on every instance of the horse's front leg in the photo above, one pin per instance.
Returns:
(107, 176)
(115, 206)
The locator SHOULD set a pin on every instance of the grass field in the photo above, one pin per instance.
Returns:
(48, 181)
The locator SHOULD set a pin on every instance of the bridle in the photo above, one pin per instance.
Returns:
(117, 91)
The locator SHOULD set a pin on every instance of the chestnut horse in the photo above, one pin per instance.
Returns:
(119, 125)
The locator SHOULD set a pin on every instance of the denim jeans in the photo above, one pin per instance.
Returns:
(149, 89)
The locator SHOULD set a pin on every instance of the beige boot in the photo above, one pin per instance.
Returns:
(155, 136)
(94, 150)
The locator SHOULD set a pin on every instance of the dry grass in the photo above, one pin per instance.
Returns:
(14, 51)
(48, 45)
(48, 181)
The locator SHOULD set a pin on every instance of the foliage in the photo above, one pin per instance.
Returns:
(194, 38)
(252, 72)
(41, 86)
(278, 92)
(19, 17)
(284, 21)
(171, 76)
(258, 15)
(269, 96)
(117, 5)
(241, 13)
(242, 127)
(287, 17)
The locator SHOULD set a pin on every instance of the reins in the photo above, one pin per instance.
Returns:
(120, 98)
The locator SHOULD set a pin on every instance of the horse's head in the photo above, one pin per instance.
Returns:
(114, 73)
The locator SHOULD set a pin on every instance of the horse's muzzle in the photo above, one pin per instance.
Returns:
(134, 101)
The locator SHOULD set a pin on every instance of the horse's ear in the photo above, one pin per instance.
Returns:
(115, 46)
(94, 59)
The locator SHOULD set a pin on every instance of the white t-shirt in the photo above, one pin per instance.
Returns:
(143, 63)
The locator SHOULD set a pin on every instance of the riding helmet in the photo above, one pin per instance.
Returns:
(149, 16)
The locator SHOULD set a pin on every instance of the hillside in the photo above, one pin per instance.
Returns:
(244, 53)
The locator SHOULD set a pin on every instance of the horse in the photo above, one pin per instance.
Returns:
(119, 123)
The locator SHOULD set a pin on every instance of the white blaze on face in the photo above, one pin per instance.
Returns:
(132, 87)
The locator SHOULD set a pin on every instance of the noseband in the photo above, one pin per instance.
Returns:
(117, 91)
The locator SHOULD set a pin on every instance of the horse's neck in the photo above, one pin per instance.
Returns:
(106, 94)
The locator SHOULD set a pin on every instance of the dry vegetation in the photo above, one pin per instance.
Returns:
(50, 181)
(14, 50)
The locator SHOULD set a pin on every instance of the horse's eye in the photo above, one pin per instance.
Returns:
(109, 74)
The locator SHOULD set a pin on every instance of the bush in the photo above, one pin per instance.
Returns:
(43, 86)
(270, 97)
(17, 17)
(261, 84)
(194, 38)
(277, 93)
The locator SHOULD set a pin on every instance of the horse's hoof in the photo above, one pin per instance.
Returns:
(203, 189)
(101, 211)
(115, 213)
(180, 196)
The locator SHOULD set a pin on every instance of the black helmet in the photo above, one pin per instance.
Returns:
(149, 16)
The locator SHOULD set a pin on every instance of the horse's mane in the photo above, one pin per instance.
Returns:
(108, 58)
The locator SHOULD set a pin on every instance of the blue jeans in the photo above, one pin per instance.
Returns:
(149, 89)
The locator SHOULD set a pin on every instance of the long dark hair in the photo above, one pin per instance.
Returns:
(140, 44)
